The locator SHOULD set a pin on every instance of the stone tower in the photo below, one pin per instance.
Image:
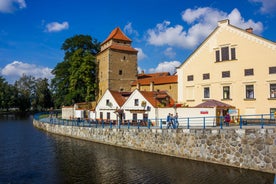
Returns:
(117, 62)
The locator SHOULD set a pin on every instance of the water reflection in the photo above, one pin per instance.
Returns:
(87, 162)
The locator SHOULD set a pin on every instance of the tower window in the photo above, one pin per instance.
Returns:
(120, 72)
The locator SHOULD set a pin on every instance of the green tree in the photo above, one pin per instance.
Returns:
(25, 87)
(75, 77)
(43, 96)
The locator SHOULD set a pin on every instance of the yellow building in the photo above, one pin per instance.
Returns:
(117, 63)
(234, 66)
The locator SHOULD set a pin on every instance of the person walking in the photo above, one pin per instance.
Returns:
(168, 121)
(227, 119)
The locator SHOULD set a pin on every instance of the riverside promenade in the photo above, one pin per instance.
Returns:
(248, 147)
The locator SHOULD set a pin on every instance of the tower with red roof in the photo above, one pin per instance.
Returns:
(117, 62)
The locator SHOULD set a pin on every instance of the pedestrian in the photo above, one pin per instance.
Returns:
(227, 119)
(168, 120)
(176, 124)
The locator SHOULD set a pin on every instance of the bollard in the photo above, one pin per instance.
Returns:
(262, 121)
(240, 122)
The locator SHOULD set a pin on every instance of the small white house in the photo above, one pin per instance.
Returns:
(144, 105)
(109, 106)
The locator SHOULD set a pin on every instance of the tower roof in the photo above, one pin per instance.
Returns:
(117, 34)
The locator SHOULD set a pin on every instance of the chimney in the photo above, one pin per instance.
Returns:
(151, 86)
(138, 86)
(249, 30)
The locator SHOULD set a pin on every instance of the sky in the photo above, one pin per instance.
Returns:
(165, 32)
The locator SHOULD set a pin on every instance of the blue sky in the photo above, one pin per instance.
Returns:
(165, 32)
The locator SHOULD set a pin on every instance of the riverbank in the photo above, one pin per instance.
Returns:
(249, 148)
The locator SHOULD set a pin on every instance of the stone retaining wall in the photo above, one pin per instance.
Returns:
(249, 148)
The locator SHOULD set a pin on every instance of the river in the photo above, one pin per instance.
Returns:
(31, 156)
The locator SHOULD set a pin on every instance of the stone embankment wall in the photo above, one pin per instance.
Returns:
(250, 148)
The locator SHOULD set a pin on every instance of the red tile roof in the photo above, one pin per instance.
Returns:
(118, 35)
(214, 103)
(156, 98)
(122, 47)
(159, 74)
(156, 80)
(120, 97)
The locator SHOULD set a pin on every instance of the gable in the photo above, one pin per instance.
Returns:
(228, 35)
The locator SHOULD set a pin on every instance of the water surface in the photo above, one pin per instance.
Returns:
(28, 155)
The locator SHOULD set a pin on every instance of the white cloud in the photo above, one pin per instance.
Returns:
(9, 6)
(56, 27)
(169, 52)
(16, 69)
(267, 6)
(166, 66)
(128, 29)
(141, 54)
(202, 22)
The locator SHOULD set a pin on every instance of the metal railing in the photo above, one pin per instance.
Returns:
(240, 121)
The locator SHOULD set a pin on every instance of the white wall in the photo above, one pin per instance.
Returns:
(104, 108)
(195, 115)
(67, 112)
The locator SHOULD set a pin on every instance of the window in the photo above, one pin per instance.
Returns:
(224, 53)
(217, 56)
(107, 102)
(190, 78)
(134, 117)
(226, 92)
(273, 91)
(233, 53)
(120, 72)
(101, 115)
(108, 115)
(206, 76)
(225, 74)
(136, 102)
(145, 117)
(249, 90)
(206, 92)
(248, 72)
(272, 113)
(272, 70)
